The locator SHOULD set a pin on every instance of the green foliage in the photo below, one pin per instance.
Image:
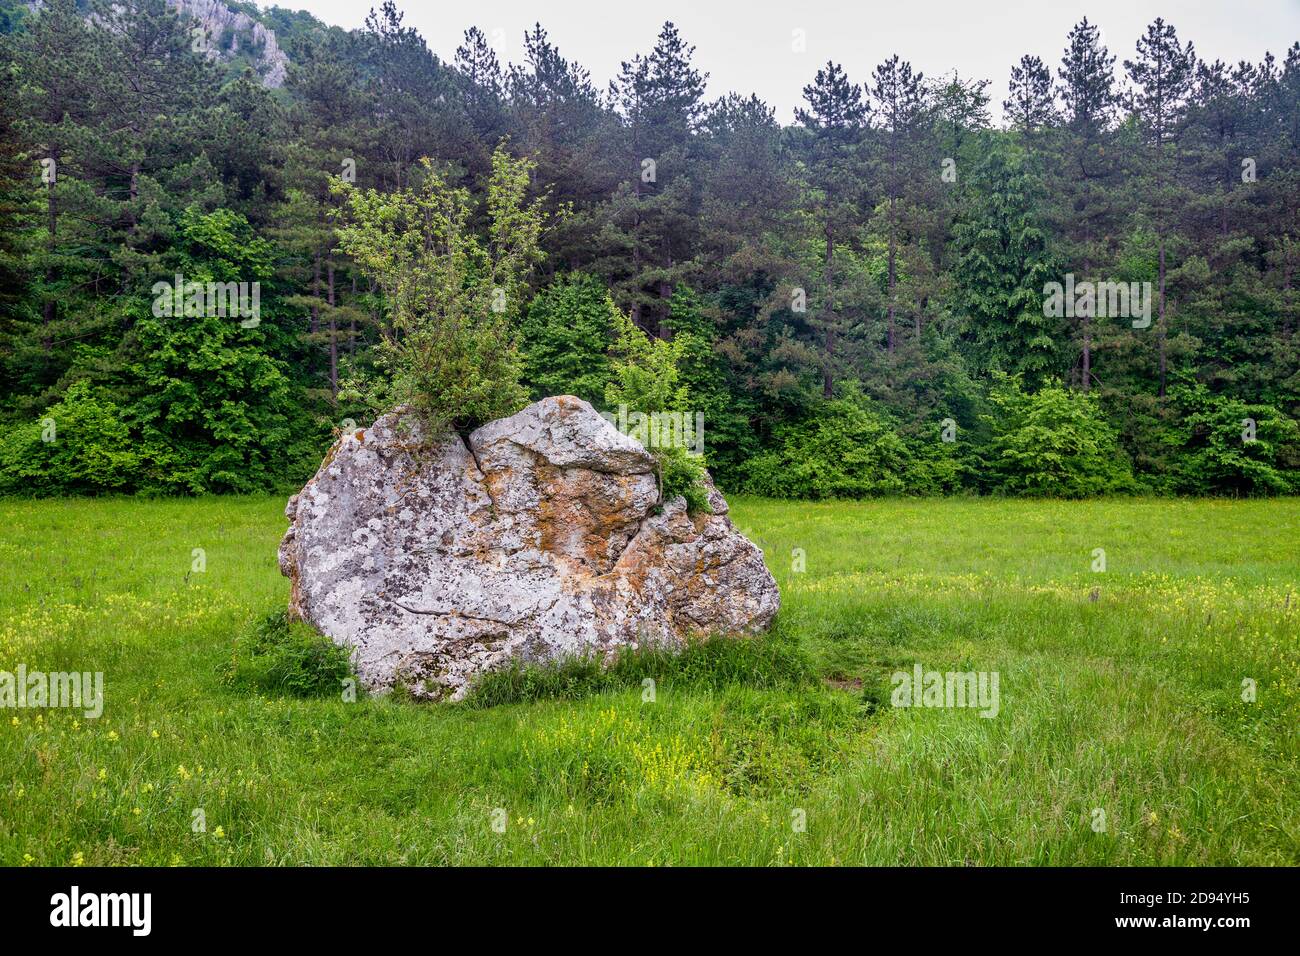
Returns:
(278, 656)
(1053, 442)
(566, 336)
(645, 379)
(1002, 266)
(645, 376)
(728, 436)
(776, 261)
(212, 412)
(844, 449)
(452, 297)
(81, 445)
(12, 14)
(681, 473)
(216, 410)
(1216, 452)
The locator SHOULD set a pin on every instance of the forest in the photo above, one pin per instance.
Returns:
(906, 291)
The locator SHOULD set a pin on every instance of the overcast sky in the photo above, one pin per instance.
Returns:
(749, 45)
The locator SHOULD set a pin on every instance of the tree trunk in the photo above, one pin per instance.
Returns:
(1160, 323)
(828, 383)
(314, 321)
(1160, 232)
(1288, 307)
(51, 228)
(1087, 268)
(666, 293)
(352, 318)
(135, 194)
(334, 339)
(892, 333)
(1087, 354)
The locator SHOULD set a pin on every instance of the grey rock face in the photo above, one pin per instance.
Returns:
(229, 31)
(227, 34)
(541, 539)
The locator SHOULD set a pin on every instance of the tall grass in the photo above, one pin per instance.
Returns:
(1122, 735)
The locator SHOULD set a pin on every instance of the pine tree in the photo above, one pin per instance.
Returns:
(566, 336)
(59, 57)
(836, 122)
(660, 98)
(1030, 105)
(556, 118)
(411, 97)
(1163, 72)
(1087, 82)
(484, 88)
(901, 103)
(16, 210)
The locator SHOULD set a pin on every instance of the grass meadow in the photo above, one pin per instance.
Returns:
(1122, 736)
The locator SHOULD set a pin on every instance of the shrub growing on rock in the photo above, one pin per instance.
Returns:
(453, 299)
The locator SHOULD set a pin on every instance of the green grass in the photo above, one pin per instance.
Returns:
(1119, 691)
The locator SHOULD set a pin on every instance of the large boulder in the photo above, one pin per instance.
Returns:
(542, 538)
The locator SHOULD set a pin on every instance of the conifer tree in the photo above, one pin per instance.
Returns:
(1087, 88)
(1163, 73)
(836, 120)
(901, 101)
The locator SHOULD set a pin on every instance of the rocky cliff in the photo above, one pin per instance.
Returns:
(232, 34)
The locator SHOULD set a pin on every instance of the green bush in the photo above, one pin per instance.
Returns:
(681, 473)
(714, 384)
(215, 408)
(216, 411)
(81, 445)
(1215, 454)
(279, 656)
(843, 449)
(1052, 443)
(645, 378)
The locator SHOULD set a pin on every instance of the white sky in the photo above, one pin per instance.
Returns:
(746, 45)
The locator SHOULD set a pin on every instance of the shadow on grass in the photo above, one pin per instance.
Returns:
(767, 662)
